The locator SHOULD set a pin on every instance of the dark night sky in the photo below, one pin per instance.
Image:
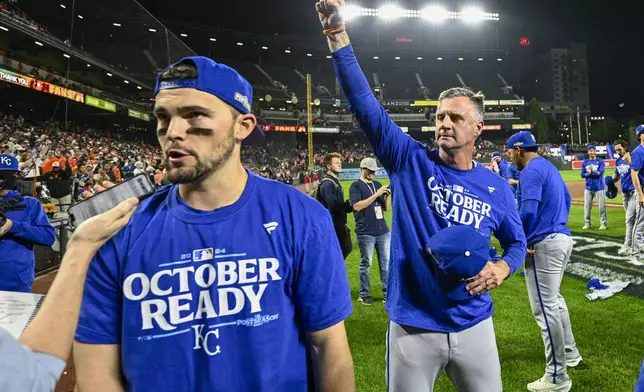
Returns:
(613, 31)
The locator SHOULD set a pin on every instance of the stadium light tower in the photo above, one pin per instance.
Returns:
(434, 13)
(350, 12)
(390, 12)
(472, 15)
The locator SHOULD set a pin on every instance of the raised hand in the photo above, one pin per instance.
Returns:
(329, 13)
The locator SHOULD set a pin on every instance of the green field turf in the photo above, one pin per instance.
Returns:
(609, 334)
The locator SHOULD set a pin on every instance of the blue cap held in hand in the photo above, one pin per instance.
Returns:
(496, 154)
(460, 253)
(522, 139)
(611, 188)
(219, 80)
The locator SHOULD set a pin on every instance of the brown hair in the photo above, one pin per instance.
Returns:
(622, 143)
(329, 157)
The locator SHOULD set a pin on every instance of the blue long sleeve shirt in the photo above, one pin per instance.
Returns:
(430, 196)
(22, 370)
(30, 226)
(593, 171)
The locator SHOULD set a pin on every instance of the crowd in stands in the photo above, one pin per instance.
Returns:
(90, 156)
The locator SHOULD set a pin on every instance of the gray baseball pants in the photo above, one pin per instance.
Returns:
(543, 273)
(588, 205)
(630, 206)
(416, 357)
(638, 228)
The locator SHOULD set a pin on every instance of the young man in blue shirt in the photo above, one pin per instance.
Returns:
(637, 177)
(369, 201)
(514, 176)
(224, 281)
(544, 209)
(622, 175)
(434, 189)
(592, 169)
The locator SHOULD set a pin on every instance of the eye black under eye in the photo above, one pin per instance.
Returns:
(200, 131)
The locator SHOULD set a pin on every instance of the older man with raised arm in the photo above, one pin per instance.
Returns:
(434, 189)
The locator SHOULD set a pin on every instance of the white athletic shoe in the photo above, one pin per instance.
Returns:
(543, 385)
(603, 227)
(624, 251)
(573, 359)
(586, 227)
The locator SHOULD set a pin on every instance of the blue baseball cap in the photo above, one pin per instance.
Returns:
(8, 163)
(611, 188)
(591, 147)
(496, 154)
(460, 253)
(522, 139)
(219, 80)
(639, 129)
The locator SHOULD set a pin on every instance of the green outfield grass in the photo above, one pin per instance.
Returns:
(610, 333)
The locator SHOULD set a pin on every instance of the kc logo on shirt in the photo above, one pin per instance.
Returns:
(456, 205)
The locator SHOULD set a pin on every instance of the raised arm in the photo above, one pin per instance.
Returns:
(390, 143)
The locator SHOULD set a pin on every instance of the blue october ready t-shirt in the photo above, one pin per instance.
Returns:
(623, 170)
(637, 162)
(542, 182)
(429, 196)
(220, 300)
(593, 171)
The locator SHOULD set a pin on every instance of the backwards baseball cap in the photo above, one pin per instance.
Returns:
(461, 253)
(369, 164)
(591, 147)
(639, 129)
(8, 163)
(219, 80)
(522, 139)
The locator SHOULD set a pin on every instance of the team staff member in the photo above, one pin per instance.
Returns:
(637, 176)
(369, 201)
(545, 207)
(331, 195)
(592, 169)
(247, 281)
(36, 361)
(514, 176)
(623, 174)
(22, 224)
(501, 163)
(434, 189)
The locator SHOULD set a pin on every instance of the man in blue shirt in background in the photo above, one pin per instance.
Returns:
(592, 169)
(622, 174)
(434, 189)
(637, 177)
(501, 163)
(545, 206)
(23, 223)
(514, 175)
(225, 281)
(369, 201)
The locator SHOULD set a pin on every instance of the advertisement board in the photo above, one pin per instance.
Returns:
(354, 174)
(15, 78)
(428, 128)
(139, 115)
(491, 103)
(283, 128)
(517, 102)
(425, 103)
(99, 103)
(521, 126)
(405, 129)
(326, 130)
(496, 127)
(58, 91)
